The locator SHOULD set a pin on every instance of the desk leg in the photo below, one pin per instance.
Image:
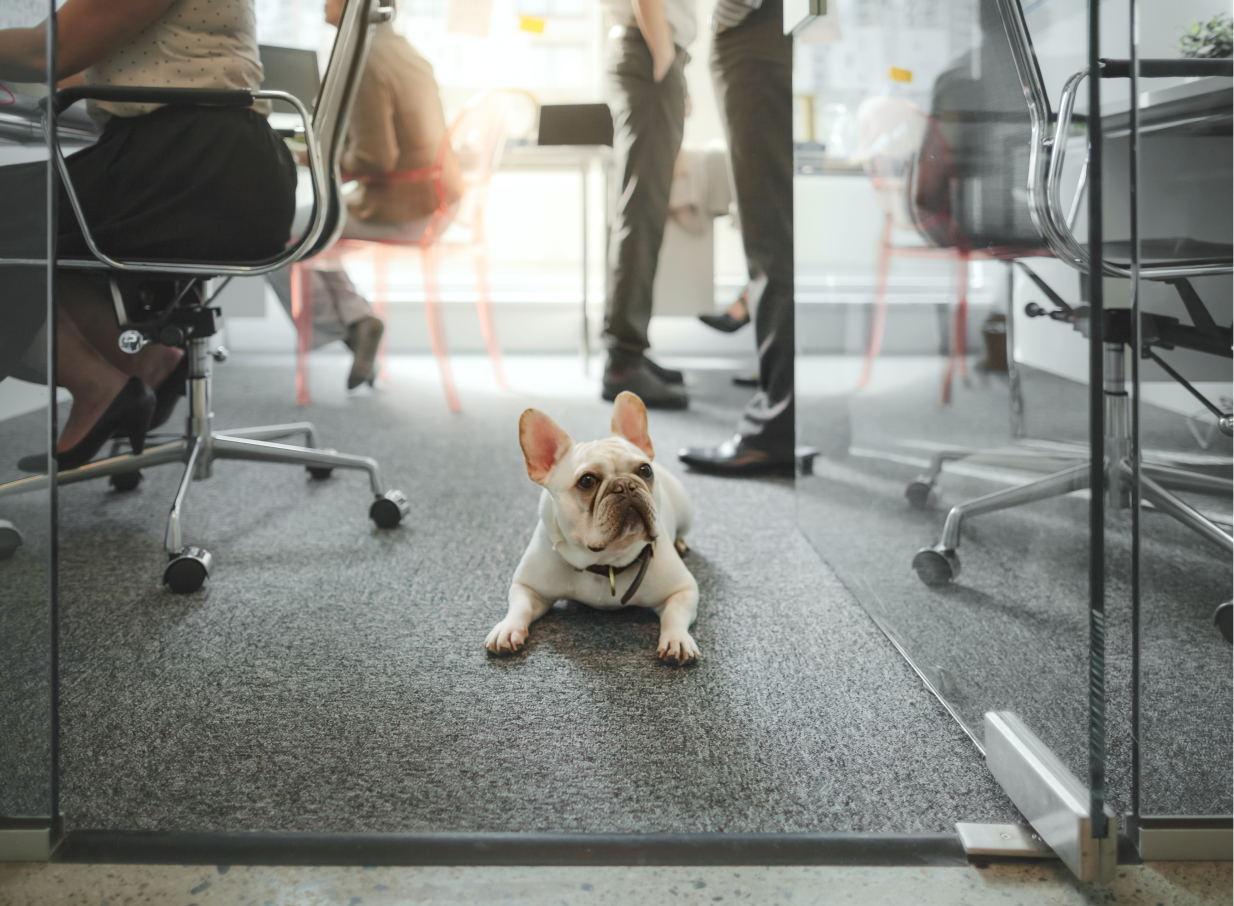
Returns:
(586, 349)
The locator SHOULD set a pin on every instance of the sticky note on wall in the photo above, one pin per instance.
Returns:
(533, 24)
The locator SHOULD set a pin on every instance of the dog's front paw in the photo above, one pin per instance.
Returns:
(677, 648)
(506, 638)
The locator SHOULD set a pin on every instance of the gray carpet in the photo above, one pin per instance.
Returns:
(331, 676)
(1012, 632)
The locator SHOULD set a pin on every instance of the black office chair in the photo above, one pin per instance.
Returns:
(1008, 153)
(167, 302)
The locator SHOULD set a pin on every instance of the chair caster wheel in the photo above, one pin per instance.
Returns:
(10, 539)
(321, 473)
(1223, 618)
(125, 481)
(936, 565)
(389, 509)
(188, 570)
(918, 493)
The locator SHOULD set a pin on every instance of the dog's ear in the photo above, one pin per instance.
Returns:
(630, 422)
(543, 443)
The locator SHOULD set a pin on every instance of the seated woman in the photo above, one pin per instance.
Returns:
(396, 129)
(188, 183)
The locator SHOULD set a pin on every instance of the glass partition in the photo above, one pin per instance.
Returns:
(1181, 392)
(951, 490)
(27, 534)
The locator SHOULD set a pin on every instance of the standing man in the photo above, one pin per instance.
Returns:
(647, 93)
(752, 70)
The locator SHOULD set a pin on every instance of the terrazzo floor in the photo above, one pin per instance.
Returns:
(1155, 884)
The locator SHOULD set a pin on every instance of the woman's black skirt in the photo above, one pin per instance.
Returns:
(181, 183)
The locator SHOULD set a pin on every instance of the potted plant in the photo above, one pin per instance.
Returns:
(1209, 40)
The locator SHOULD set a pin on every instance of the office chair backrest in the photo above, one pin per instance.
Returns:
(336, 97)
(477, 138)
(973, 169)
(890, 136)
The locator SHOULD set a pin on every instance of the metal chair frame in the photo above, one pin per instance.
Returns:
(200, 445)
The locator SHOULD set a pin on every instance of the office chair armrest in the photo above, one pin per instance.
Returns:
(213, 97)
(1058, 230)
(424, 174)
(1168, 69)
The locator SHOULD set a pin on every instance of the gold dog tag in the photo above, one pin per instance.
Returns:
(612, 582)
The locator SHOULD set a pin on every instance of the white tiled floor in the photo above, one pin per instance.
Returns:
(1158, 884)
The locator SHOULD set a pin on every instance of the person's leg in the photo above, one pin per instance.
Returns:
(88, 375)
(348, 305)
(362, 329)
(649, 121)
(752, 74)
(81, 300)
(326, 325)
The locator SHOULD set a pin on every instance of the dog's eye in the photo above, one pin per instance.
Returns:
(644, 471)
(587, 482)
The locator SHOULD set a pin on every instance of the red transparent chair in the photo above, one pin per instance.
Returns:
(910, 167)
(474, 142)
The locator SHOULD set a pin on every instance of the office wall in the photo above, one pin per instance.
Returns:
(1060, 34)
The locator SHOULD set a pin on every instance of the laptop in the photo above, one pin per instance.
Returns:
(290, 69)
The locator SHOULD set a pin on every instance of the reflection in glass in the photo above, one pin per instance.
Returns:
(1184, 396)
(25, 521)
(913, 248)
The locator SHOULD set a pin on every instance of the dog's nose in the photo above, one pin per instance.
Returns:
(619, 486)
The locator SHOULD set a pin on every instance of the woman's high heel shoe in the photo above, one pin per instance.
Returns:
(726, 322)
(127, 416)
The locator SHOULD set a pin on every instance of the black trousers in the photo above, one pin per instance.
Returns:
(649, 121)
(184, 183)
(752, 71)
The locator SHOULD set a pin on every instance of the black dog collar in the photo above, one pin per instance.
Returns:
(643, 559)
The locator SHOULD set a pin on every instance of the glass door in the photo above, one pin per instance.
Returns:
(946, 373)
(28, 793)
(1177, 574)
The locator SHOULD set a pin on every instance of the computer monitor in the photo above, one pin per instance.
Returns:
(575, 124)
(291, 69)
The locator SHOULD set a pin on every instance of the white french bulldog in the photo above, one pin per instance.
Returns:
(611, 532)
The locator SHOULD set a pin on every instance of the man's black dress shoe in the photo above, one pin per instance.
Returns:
(639, 379)
(174, 386)
(667, 375)
(127, 416)
(737, 459)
